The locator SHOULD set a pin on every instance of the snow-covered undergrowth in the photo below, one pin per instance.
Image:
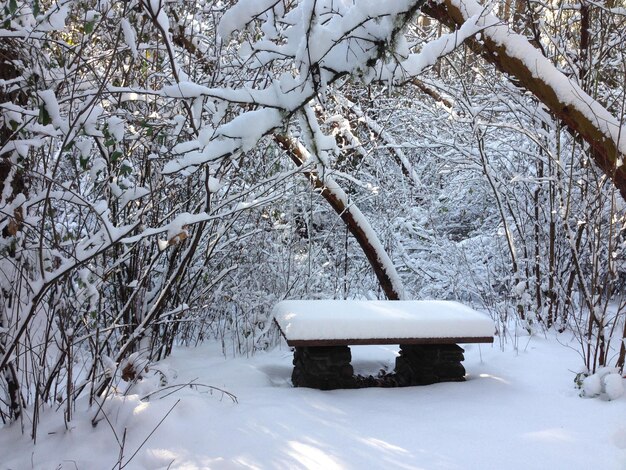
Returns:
(517, 410)
(606, 383)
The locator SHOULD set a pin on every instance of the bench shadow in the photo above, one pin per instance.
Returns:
(278, 375)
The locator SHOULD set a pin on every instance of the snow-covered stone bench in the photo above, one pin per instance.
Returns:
(321, 332)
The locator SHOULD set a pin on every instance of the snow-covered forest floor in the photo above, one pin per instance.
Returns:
(519, 409)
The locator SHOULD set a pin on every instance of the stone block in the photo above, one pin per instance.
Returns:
(428, 364)
(324, 368)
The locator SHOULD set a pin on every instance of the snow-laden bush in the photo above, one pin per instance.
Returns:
(607, 383)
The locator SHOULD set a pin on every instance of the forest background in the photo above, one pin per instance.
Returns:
(171, 169)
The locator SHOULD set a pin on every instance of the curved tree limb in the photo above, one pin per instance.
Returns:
(353, 218)
(513, 54)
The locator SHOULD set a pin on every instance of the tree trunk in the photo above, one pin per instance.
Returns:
(13, 177)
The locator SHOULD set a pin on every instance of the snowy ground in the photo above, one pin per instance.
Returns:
(517, 410)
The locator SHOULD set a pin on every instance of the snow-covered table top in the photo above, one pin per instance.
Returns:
(335, 322)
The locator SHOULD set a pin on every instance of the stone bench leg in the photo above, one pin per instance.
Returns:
(323, 367)
(429, 363)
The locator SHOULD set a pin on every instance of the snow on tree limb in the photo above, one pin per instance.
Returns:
(354, 219)
(413, 65)
(513, 54)
(331, 41)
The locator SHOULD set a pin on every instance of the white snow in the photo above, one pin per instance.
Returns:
(518, 410)
(237, 15)
(185, 90)
(592, 386)
(613, 386)
(251, 126)
(130, 36)
(133, 194)
(180, 223)
(606, 383)
(52, 107)
(219, 148)
(54, 19)
(116, 128)
(89, 120)
(430, 53)
(214, 184)
(365, 319)
(240, 134)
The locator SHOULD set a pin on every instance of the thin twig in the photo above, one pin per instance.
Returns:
(191, 383)
(150, 435)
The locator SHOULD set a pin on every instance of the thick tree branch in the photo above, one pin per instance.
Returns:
(581, 114)
(379, 260)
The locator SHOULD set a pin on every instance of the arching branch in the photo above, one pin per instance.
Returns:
(353, 218)
(513, 54)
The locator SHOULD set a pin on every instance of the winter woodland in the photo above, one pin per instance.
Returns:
(172, 169)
